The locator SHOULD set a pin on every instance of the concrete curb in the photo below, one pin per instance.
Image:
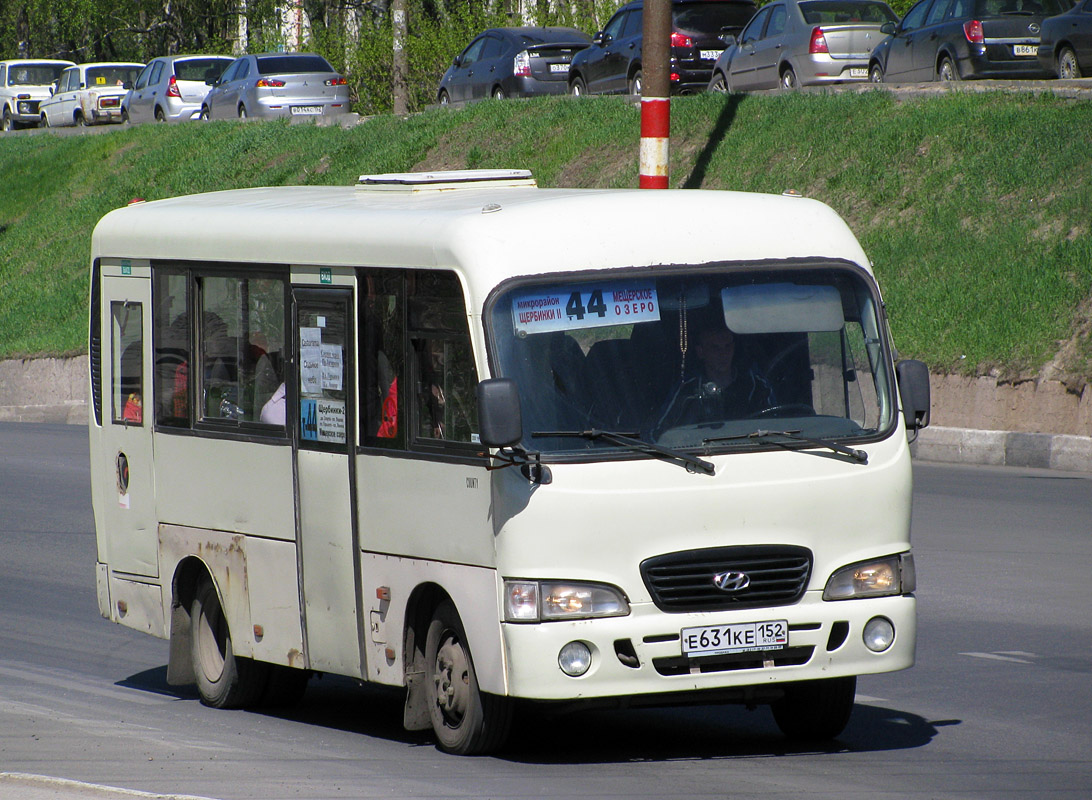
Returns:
(1004, 449)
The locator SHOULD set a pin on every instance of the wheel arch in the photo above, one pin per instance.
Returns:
(422, 603)
(943, 53)
(188, 574)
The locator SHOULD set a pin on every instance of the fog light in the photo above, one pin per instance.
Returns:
(574, 659)
(879, 634)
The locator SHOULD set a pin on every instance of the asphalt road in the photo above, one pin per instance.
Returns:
(998, 706)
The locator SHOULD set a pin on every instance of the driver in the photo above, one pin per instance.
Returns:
(726, 387)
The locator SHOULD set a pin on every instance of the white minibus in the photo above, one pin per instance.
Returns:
(490, 442)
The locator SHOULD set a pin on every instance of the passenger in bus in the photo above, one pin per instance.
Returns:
(273, 410)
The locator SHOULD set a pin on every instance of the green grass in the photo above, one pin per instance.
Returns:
(975, 207)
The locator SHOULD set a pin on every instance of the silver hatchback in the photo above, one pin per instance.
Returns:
(791, 43)
(172, 88)
(274, 85)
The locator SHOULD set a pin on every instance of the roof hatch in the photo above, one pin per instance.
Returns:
(446, 180)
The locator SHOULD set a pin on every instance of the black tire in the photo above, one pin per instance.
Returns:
(947, 70)
(814, 711)
(875, 73)
(1068, 68)
(788, 79)
(45, 121)
(242, 112)
(5, 121)
(719, 84)
(124, 116)
(465, 720)
(160, 116)
(444, 99)
(204, 115)
(498, 93)
(223, 680)
(577, 88)
(636, 83)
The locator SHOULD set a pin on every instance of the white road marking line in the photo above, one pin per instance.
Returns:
(1000, 657)
(56, 784)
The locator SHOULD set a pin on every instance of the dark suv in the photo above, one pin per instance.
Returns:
(952, 40)
(612, 64)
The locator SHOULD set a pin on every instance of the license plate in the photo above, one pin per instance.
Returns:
(1024, 50)
(858, 72)
(743, 637)
(711, 55)
(297, 110)
(559, 68)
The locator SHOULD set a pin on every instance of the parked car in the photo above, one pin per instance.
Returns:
(89, 94)
(24, 84)
(951, 40)
(512, 62)
(275, 85)
(1065, 42)
(612, 64)
(172, 88)
(792, 43)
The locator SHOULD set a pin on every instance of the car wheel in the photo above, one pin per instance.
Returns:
(223, 681)
(45, 121)
(465, 720)
(204, 116)
(947, 70)
(1068, 68)
(788, 79)
(124, 116)
(242, 112)
(635, 83)
(160, 116)
(83, 121)
(875, 73)
(719, 83)
(815, 710)
(445, 100)
(498, 93)
(5, 121)
(577, 87)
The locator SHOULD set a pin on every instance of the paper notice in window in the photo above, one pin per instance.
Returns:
(310, 361)
(331, 367)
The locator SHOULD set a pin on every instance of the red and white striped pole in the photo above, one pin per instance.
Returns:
(655, 95)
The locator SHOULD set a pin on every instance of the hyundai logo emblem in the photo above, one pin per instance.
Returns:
(731, 581)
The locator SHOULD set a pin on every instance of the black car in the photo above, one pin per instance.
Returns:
(512, 62)
(1065, 43)
(953, 40)
(612, 65)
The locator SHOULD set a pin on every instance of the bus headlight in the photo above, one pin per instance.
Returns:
(541, 601)
(879, 578)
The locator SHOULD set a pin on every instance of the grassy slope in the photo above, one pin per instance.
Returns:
(974, 207)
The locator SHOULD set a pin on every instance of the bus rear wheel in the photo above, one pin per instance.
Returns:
(814, 711)
(465, 720)
(223, 680)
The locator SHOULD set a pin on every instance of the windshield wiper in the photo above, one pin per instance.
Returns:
(631, 441)
(794, 436)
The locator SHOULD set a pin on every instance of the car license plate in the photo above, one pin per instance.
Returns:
(297, 110)
(559, 68)
(858, 72)
(1024, 49)
(740, 638)
(711, 55)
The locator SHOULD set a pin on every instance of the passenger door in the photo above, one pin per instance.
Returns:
(138, 104)
(128, 502)
(928, 41)
(461, 84)
(900, 53)
(325, 428)
(742, 71)
(604, 56)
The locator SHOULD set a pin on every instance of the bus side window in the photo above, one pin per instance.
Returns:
(382, 332)
(444, 374)
(127, 362)
(172, 348)
(241, 339)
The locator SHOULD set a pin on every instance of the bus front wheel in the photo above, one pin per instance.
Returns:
(814, 711)
(223, 681)
(465, 720)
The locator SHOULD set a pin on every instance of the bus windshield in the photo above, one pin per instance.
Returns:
(707, 360)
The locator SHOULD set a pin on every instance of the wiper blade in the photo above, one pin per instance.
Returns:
(631, 441)
(794, 436)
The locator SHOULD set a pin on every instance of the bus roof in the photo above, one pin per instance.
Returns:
(487, 232)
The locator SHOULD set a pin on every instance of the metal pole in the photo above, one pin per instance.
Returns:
(655, 94)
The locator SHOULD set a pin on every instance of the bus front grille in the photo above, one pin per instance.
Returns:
(722, 578)
(682, 665)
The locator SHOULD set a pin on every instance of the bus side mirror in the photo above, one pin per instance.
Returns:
(498, 412)
(913, 377)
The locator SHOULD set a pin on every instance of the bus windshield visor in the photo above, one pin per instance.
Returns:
(705, 361)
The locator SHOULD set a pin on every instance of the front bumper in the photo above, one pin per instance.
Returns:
(824, 642)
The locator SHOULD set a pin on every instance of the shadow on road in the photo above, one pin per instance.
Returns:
(594, 736)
